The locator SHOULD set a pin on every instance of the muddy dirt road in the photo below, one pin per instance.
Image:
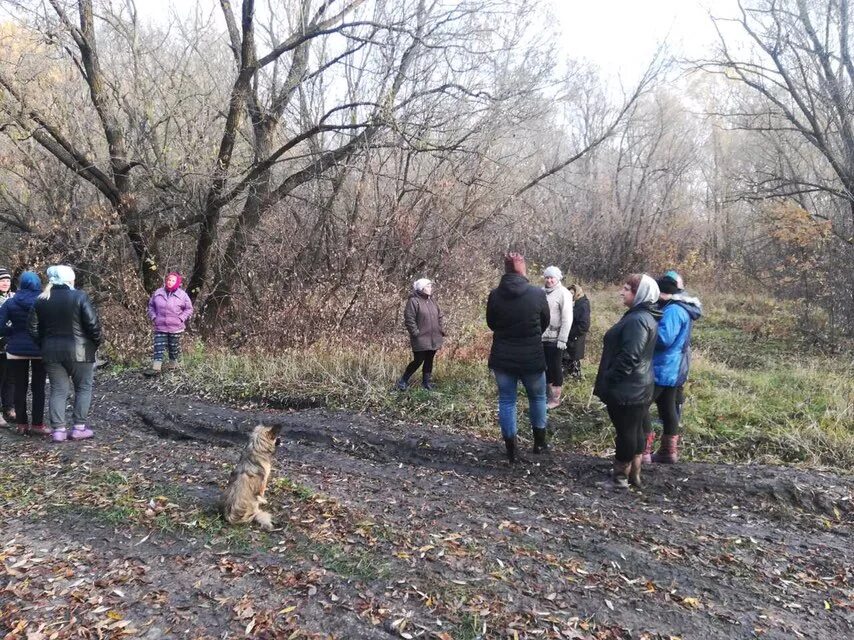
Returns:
(393, 530)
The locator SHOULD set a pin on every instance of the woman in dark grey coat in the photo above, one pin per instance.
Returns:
(625, 380)
(426, 326)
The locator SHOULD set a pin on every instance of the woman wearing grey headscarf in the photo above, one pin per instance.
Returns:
(625, 381)
(65, 326)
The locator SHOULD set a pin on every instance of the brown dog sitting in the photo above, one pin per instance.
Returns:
(244, 495)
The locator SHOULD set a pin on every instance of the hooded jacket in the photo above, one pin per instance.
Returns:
(424, 323)
(14, 314)
(518, 314)
(169, 311)
(625, 374)
(65, 326)
(672, 359)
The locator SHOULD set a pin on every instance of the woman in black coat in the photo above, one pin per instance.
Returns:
(625, 380)
(574, 353)
(65, 326)
(518, 314)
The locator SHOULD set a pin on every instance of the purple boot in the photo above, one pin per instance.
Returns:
(80, 432)
(59, 435)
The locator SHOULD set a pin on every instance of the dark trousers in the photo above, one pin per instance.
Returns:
(628, 422)
(665, 399)
(28, 374)
(571, 368)
(7, 385)
(419, 358)
(554, 371)
(167, 341)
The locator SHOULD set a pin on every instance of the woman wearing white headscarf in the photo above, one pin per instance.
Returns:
(65, 326)
(625, 381)
(426, 327)
(557, 334)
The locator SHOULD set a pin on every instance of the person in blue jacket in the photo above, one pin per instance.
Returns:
(23, 356)
(671, 363)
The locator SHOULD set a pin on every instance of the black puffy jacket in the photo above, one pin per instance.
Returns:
(625, 371)
(517, 313)
(580, 326)
(65, 326)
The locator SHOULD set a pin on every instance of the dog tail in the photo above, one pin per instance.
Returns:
(263, 518)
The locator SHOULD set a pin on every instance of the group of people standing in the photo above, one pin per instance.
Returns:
(52, 334)
(646, 357)
(538, 336)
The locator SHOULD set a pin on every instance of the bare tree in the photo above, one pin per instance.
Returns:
(789, 63)
(115, 134)
(802, 77)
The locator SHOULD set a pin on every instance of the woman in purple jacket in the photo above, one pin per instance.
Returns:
(169, 309)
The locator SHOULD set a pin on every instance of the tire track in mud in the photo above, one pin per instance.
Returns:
(738, 544)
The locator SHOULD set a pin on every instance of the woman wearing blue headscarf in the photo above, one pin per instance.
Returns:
(23, 356)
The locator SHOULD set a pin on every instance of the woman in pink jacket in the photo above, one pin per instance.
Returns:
(169, 309)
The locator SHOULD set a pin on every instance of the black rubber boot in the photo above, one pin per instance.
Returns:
(541, 444)
(427, 381)
(510, 444)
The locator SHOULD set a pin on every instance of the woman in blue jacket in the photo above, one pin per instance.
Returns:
(23, 357)
(670, 363)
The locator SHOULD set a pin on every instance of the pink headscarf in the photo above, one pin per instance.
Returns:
(178, 281)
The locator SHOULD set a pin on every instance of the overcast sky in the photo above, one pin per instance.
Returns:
(620, 36)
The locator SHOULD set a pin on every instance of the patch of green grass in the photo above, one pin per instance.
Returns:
(111, 478)
(119, 514)
(757, 390)
(299, 490)
(470, 628)
(349, 563)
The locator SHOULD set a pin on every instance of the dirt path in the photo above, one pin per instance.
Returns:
(401, 530)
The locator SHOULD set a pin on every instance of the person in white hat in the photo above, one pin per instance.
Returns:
(556, 336)
(7, 387)
(425, 324)
(65, 326)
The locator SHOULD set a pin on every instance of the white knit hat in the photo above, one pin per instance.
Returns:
(553, 272)
(419, 284)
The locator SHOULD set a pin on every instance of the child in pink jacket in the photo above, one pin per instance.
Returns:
(169, 309)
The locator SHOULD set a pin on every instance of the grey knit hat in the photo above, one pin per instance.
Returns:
(553, 272)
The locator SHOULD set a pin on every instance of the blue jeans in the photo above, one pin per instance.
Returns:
(535, 386)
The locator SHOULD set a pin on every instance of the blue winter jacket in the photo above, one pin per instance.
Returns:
(14, 314)
(672, 358)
